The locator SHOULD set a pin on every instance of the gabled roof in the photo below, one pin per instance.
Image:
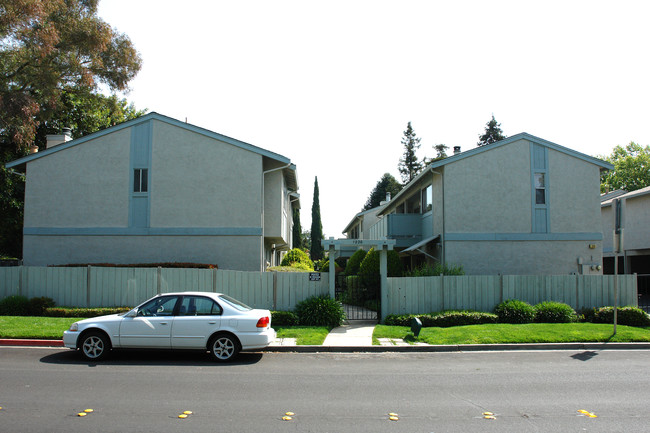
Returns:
(146, 118)
(362, 213)
(476, 151)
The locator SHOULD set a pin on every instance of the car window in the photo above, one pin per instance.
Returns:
(161, 306)
(235, 303)
(198, 306)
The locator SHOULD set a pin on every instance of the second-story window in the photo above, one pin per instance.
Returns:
(540, 189)
(427, 199)
(140, 180)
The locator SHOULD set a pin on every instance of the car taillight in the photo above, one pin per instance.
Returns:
(263, 322)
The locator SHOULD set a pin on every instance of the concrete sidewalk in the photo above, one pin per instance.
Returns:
(356, 336)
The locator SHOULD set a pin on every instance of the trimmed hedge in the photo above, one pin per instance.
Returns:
(630, 316)
(15, 305)
(284, 318)
(515, 311)
(352, 268)
(83, 312)
(443, 319)
(554, 312)
(140, 265)
(297, 255)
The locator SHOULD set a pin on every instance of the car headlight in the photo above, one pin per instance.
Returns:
(74, 327)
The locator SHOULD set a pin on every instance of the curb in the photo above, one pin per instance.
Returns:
(378, 349)
(30, 343)
(461, 347)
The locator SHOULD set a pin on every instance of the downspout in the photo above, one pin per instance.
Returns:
(262, 213)
(442, 235)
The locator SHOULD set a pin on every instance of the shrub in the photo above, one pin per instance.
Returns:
(284, 318)
(554, 312)
(369, 269)
(297, 255)
(83, 312)
(630, 316)
(288, 269)
(320, 311)
(443, 319)
(514, 311)
(37, 306)
(14, 305)
(438, 269)
(352, 268)
(324, 266)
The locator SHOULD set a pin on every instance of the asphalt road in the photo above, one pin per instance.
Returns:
(42, 390)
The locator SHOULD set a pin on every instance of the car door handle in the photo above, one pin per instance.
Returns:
(212, 323)
(163, 323)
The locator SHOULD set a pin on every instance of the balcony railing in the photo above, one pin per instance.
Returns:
(406, 229)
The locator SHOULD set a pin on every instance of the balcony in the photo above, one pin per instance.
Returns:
(406, 229)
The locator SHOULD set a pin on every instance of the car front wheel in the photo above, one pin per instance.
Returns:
(224, 347)
(94, 346)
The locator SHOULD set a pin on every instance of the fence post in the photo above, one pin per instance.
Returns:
(20, 280)
(442, 289)
(214, 280)
(577, 294)
(88, 287)
(158, 278)
(275, 290)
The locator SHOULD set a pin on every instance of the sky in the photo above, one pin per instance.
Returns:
(332, 84)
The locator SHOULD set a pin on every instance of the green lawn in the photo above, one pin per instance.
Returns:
(305, 335)
(503, 333)
(46, 328)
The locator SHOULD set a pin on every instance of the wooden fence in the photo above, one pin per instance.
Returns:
(483, 292)
(108, 287)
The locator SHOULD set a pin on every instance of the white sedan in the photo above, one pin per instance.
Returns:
(190, 320)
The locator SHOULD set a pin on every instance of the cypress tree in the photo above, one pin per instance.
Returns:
(297, 229)
(316, 250)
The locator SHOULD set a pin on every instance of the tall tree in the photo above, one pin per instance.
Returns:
(50, 46)
(53, 53)
(441, 153)
(297, 229)
(387, 184)
(492, 134)
(316, 250)
(409, 166)
(631, 168)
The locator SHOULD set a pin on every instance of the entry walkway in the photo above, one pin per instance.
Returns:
(356, 333)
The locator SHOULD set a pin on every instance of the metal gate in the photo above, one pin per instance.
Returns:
(360, 302)
(643, 291)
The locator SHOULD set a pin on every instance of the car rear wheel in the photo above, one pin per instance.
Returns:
(95, 346)
(223, 347)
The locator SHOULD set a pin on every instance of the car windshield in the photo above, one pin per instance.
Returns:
(235, 303)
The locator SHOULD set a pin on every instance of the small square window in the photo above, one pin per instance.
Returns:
(539, 180)
(540, 196)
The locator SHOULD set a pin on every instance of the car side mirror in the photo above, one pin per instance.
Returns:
(132, 313)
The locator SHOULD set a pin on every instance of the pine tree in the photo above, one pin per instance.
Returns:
(316, 250)
(387, 184)
(441, 153)
(493, 133)
(409, 166)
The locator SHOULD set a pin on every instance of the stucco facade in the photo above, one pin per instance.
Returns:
(519, 206)
(157, 190)
(634, 220)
